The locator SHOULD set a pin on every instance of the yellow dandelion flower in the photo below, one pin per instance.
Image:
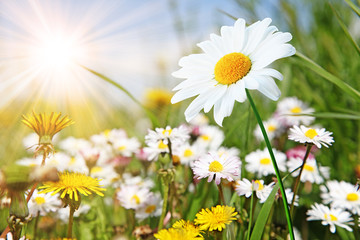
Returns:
(157, 98)
(178, 234)
(46, 126)
(72, 184)
(216, 218)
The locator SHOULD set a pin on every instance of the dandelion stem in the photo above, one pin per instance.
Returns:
(71, 219)
(297, 181)
(251, 215)
(221, 194)
(268, 145)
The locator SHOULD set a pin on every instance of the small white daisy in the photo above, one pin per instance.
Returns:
(232, 62)
(43, 203)
(233, 151)
(73, 145)
(246, 188)
(273, 129)
(213, 166)
(106, 173)
(331, 217)
(259, 162)
(289, 111)
(314, 136)
(154, 149)
(107, 136)
(175, 135)
(187, 153)
(151, 208)
(310, 172)
(138, 181)
(132, 196)
(126, 146)
(341, 195)
(200, 120)
(209, 138)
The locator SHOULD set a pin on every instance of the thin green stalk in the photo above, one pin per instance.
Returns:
(356, 227)
(268, 145)
(251, 215)
(221, 194)
(164, 207)
(36, 224)
(71, 220)
(297, 181)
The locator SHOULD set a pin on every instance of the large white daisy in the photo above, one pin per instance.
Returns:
(231, 62)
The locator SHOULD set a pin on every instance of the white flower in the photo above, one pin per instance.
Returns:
(43, 203)
(137, 180)
(126, 146)
(287, 110)
(154, 149)
(73, 145)
(174, 135)
(310, 172)
(151, 208)
(315, 136)
(9, 236)
(236, 60)
(213, 166)
(259, 162)
(331, 217)
(341, 195)
(30, 142)
(200, 120)
(106, 173)
(132, 196)
(246, 188)
(233, 151)
(273, 129)
(209, 138)
(108, 136)
(187, 153)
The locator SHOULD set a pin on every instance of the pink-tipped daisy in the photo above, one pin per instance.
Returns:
(314, 136)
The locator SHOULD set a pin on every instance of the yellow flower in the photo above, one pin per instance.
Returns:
(72, 184)
(180, 230)
(157, 98)
(46, 126)
(216, 218)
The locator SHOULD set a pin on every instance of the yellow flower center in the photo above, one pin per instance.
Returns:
(168, 131)
(162, 145)
(72, 161)
(265, 161)
(296, 110)
(352, 197)
(188, 153)
(231, 68)
(215, 166)
(330, 217)
(136, 198)
(39, 200)
(271, 128)
(150, 208)
(96, 169)
(205, 137)
(121, 148)
(259, 184)
(107, 132)
(311, 133)
(309, 168)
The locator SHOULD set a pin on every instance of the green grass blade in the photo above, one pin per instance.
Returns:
(346, 31)
(353, 7)
(332, 115)
(260, 223)
(151, 116)
(328, 76)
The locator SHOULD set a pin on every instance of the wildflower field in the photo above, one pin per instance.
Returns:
(252, 134)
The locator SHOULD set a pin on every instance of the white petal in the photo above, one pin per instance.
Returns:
(210, 49)
(196, 105)
(256, 35)
(285, 50)
(270, 72)
(216, 94)
(218, 113)
(239, 35)
(268, 87)
(250, 81)
(239, 89)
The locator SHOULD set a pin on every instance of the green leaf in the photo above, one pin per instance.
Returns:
(333, 115)
(353, 7)
(328, 76)
(263, 215)
(346, 31)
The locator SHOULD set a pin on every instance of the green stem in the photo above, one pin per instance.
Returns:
(251, 215)
(164, 207)
(277, 172)
(356, 227)
(71, 220)
(297, 181)
(221, 194)
(36, 225)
